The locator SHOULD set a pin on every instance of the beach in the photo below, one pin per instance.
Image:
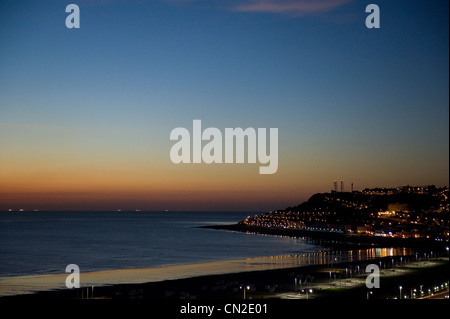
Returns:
(31, 284)
(21, 285)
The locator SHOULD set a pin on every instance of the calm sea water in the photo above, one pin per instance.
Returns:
(46, 242)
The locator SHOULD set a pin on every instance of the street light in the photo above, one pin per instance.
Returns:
(310, 291)
(245, 288)
(400, 287)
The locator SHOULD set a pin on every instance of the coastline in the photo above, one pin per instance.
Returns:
(54, 284)
(29, 284)
(266, 284)
(335, 240)
(216, 279)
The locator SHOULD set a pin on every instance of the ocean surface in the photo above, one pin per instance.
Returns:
(36, 243)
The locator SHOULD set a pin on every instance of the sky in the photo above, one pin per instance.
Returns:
(86, 114)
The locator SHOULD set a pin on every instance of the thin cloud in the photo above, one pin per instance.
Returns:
(299, 7)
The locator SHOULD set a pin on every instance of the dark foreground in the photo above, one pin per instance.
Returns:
(266, 293)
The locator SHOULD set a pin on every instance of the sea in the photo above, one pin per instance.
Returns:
(38, 243)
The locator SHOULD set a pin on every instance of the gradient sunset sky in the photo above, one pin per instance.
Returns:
(86, 114)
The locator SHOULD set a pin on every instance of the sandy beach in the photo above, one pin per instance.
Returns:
(18, 285)
(30, 284)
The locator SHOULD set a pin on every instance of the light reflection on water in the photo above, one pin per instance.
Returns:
(329, 257)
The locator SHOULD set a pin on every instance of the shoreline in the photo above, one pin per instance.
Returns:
(335, 240)
(265, 284)
(29, 284)
(216, 279)
(36, 286)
